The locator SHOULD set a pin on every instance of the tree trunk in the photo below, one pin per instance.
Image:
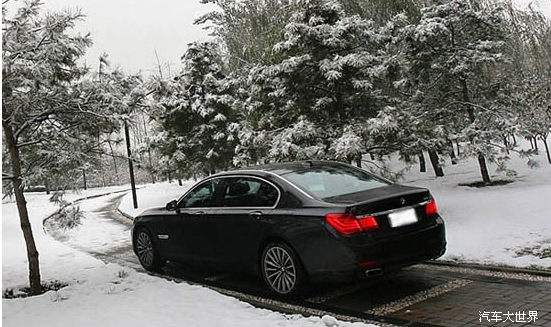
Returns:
(47, 186)
(544, 140)
(481, 158)
(422, 163)
(483, 169)
(180, 182)
(152, 174)
(359, 161)
(536, 144)
(435, 161)
(32, 253)
(114, 163)
(506, 143)
(84, 178)
(452, 153)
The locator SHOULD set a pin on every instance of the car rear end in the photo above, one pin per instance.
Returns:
(397, 230)
(376, 230)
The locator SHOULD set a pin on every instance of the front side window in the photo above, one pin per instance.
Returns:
(330, 181)
(249, 192)
(201, 196)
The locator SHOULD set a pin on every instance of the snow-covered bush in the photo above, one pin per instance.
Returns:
(67, 218)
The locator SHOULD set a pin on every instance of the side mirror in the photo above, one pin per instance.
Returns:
(172, 205)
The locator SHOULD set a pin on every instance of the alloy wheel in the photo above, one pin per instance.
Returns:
(280, 270)
(144, 248)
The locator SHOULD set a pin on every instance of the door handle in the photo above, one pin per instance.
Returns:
(255, 214)
(199, 213)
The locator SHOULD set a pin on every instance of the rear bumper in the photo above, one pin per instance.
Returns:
(387, 254)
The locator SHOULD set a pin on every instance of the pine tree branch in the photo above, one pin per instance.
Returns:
(29, 143)
(33, 119)
(40, 43)
(35, 163)
(8, 177)
(502, 147)
(471, 104)
(382, 147)
(91, 113)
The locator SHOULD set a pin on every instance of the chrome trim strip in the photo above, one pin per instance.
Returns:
(386, 212)
(231, 176)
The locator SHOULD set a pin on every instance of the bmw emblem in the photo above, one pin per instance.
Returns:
(402, 201)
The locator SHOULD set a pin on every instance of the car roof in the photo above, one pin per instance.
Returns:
(283, 168)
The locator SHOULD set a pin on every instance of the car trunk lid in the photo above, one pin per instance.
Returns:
(396, 208)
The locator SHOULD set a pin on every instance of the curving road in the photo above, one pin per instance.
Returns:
(428, 295)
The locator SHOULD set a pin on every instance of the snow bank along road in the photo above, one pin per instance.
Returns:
(422, 295)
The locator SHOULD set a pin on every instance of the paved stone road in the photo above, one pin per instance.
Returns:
(458, 297)
(486, 303)
(422, 295)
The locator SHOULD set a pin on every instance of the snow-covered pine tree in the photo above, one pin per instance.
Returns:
(530, 73)
(314, 103)
(248, 29)
(533, 104)
(381, 11)
(197, 114)
(52, 118)
(454, 61)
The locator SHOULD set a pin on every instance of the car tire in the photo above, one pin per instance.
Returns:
(147, 252)
(281, 269)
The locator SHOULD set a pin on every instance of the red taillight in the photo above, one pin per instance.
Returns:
(348, 224)
(368, 264)
(368, 223)
(430, 208)
(344, 223)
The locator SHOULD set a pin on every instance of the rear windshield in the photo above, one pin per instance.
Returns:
(326, 182)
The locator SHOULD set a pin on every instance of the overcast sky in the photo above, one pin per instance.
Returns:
(130, 31)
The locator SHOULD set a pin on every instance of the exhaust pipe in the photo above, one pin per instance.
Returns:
(373, 272)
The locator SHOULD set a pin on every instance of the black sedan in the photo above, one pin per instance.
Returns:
(291, 222)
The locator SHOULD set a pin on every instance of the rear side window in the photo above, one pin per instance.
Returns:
(326, 182)
(249, 192)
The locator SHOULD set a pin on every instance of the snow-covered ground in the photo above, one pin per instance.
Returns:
(501, 225)
(57, 259)
(98, 232)
(108, 294)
